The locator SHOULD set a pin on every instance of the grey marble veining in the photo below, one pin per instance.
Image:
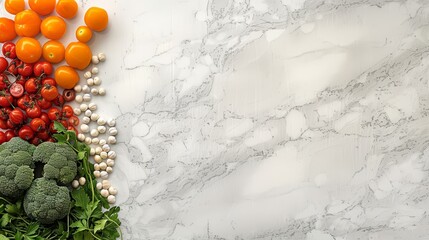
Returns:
(270, 119)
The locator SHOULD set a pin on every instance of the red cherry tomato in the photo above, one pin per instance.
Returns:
(9, 134)
(67, 111)
(49, 81)
(49, 92)
(59, 101)
(52, 128)
(44, 104)
(8, 50)
(4, 113)
(43, 135)
(26, 133)
(54, 114)
(34, 111)
(31, 85)
(3, 124)
(44, 116)
(36, 141)
(13, 66)
(3, 64)
(2, 137)
(37, 125)
(5, 99)
(21, 80)
(42, 68)
(71, 128)
(10, 124)
(23, 102)
(74, 121)
(17, 116)
(16, 90)
(25, 69)
(4, 81)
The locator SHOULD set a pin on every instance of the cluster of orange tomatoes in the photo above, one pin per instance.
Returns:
(28, 24)
(30, 97)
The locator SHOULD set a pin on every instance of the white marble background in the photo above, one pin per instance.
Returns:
(269, 119)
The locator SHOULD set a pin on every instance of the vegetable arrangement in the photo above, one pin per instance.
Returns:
(42, 208)
(49, 187)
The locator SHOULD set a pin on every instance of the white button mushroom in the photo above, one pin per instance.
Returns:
(105, 147)
(87, 74)
(86, 97)
(75, 184)
(113, 190)
(94, 91)
(95, 141)
(111, 122)
(90, 81)
(95, 60)
(97, 174)
(106, 184)
(102, 91)
(110, 162)
(88, 113)
(97, 159)
(109, 169)
(101, 121)
(103, 165)
(81, 137)
(97, 167)
(83, 107)
(104, 175)
(102, 142)
(111, 140)
(94, 70)
(86, 120)
(84, 128)
(111, 199)
(101, 57)
(78, 98)
(97, 81)
(92, 150)
(98, 150)
(104, 192)
(78, 88)
(94, 132)
(111, 154)
(103, 155)
(85, 89)
(101, 129)
(94, 117)
(88, 140)
(77, 111)
(113, 131)
(99, 186)
(82, 181)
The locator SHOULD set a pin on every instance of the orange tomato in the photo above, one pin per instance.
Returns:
(96, 18)
(7, 29)
(53, 27)
(14, 6)
(66, 77)
(83, 34)
(28, 50)
(78, 55)
(53, 51)
(42, 7)
(27, 23)
(66, 8)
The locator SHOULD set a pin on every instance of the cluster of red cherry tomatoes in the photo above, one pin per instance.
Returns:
(30, 100)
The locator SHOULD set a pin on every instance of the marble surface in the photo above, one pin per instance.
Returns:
(269, 119)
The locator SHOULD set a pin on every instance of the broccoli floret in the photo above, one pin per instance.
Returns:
(17, 144)
(60, 161)
(45, 150)
(46, 202)
(16, 167)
